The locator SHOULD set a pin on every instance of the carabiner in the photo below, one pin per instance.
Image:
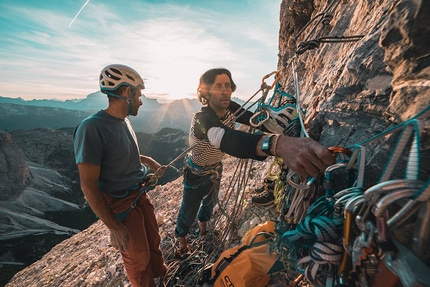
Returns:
(338, 149)
(373, 193)
(422, 233)
(342, 201)
(278, 76)
(353, 189)
(263, 112)
(390, 198)
(327, 183)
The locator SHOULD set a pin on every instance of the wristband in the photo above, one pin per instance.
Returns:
(275, 144)
(266, 145)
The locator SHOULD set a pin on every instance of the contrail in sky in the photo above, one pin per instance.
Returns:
(78, 13)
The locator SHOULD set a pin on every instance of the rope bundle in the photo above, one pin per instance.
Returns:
(318, 236)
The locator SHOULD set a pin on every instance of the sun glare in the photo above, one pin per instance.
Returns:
(177, 77)
(182, 52)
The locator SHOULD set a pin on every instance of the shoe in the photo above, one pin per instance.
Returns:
(268, 184)
(182, 253)
(258, 190)
(265, 198)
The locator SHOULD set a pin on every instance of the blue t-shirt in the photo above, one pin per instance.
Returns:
(110, 143)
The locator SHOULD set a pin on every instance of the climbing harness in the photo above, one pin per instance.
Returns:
(200, 170)
(150, 181)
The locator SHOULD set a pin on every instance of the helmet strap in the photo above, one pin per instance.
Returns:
(116, 96)
(128, 100)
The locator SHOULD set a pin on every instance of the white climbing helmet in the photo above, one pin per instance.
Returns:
(114, 76)
(280, 117)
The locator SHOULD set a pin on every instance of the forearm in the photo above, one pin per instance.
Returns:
(303, 155)
(241, 144)
(89, 174)
(99, 206)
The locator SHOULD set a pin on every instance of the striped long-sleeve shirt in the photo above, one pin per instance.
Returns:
(234, 142)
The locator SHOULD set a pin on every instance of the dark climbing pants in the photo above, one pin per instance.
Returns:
(199, 198)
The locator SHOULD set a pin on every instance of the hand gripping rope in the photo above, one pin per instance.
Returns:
(150, 181)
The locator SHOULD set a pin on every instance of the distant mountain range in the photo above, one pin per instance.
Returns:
(41, 202)
(17, 113)
(92, 102)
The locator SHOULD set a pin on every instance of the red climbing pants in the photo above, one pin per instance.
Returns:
(143, 260)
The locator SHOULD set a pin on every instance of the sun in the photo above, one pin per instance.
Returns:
(175, 81)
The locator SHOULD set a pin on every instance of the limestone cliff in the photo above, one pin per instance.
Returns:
(355, 90)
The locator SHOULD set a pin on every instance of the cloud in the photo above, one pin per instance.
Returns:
(170, 45)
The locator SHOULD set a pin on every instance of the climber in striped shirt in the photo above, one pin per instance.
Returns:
(212, 134)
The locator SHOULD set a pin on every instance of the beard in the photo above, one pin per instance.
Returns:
(223, 102)
(135, 111)
(134, 108)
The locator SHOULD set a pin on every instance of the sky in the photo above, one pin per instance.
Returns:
(55, 49)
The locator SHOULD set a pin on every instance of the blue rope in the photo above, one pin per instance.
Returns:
(320, 234)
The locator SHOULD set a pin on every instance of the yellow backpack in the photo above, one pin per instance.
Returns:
(248, 264)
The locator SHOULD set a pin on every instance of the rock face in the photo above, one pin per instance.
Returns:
(358, 89)
(14, 172)
(352, 91)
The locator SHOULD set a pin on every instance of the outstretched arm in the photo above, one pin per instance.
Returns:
(303, 155)
(237, 143)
